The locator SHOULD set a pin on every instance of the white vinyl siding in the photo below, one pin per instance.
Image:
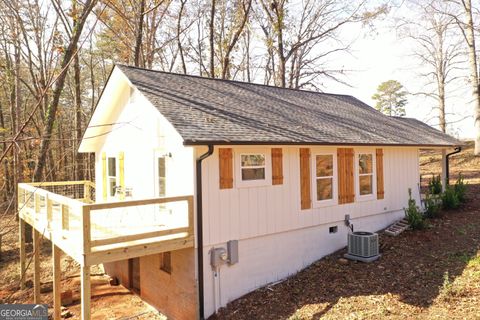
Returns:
(277, 238)
(241, 213)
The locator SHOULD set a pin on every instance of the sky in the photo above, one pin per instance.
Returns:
(382, 55)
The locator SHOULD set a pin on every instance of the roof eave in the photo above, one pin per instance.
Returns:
(303, 143)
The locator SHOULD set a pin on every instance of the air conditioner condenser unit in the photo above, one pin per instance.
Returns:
(362, 246)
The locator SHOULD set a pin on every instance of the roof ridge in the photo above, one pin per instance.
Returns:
(236, 81)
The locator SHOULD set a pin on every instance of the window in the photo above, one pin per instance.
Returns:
(112, 175)
(162, 188)
(365, 174)
(252, 166)
(166, 262)
(324, 176)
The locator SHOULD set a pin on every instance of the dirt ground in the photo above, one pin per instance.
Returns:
(427, 274)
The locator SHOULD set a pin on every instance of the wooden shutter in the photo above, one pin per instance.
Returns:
(277, 166)
(345, 168)
(306, 201)
(104, 176)
(226, 168)
(121, 174)
(380, 184)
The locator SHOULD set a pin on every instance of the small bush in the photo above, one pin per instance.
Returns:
(413, 214)
(450, 199)
(435, 185)
(460, 189)
(432, 205)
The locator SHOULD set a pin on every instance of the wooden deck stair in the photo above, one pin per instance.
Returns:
(397, 228)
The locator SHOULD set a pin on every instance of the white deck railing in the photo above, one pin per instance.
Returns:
(91, 233)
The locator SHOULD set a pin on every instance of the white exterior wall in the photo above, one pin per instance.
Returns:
(277, 238)
(143, 134)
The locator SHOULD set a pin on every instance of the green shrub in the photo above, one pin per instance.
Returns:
(435, 185)
(449, 198)
(460, 189)
(413, 214)
(432, 205)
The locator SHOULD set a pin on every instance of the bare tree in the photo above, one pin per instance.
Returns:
(212, 39)
(234, 35)
(139, 32)
(51, 111)
(179, 32)
(318, 23)
(78, 172)
(438, 51)
(462, 12)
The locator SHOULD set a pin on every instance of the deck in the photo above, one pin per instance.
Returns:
(67, 214)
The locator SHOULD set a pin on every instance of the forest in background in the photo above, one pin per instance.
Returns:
(56, 55)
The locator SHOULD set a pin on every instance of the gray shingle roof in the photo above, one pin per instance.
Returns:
(205, 110)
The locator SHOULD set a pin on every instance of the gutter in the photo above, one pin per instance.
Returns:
(193, 143)
(200, 229)
(447, 166)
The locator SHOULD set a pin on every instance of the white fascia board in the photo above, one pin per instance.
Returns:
(114, 97)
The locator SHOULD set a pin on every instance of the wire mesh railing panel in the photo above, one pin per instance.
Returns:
(106, 223)
(74, 191)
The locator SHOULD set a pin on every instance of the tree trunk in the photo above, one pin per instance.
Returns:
(18, 172)
(78, 120)
(212, 35)
(139, 34)
(57, 90)
(6, 172)
(236, 36)
(247, 48)
(441, 106)
(179, 42)
(281, 55)
(77, 156)
(472, 57)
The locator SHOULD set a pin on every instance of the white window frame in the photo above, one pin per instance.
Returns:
(328, 202)
(239, 183)
(373, 195)
(109, 177)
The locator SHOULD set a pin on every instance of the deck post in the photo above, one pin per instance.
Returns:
(85, 292)
(86, 192)
(36, 266)
(85, 268)
(22, 251)
(48, 205)
(191, 222)
(64, 216)
(36, 204)
(444, 169)
(56, 255)
(86, 235)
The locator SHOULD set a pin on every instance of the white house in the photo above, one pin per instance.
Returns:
(275, 169)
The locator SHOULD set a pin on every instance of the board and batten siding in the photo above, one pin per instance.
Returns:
(276, 237)
(246, 212)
